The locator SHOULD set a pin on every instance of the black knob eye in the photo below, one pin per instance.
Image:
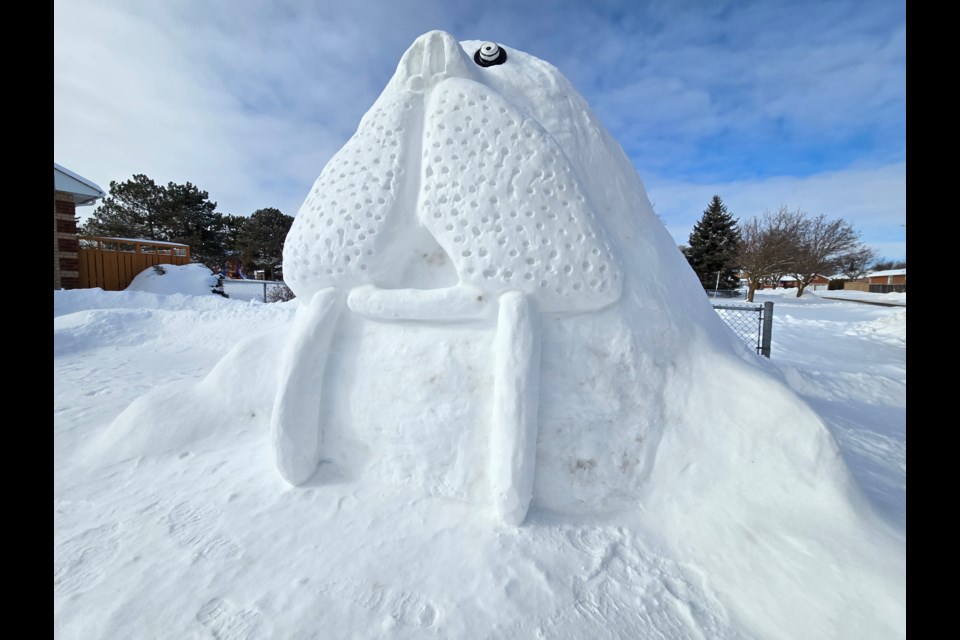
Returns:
(489, 54)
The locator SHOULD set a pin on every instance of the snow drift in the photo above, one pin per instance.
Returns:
(190, 279)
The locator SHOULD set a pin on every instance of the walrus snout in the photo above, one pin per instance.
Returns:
(433, 57)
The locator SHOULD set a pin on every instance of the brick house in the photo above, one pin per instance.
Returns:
(889, 277)
(69, 192)
(889, 281)
(789, 282)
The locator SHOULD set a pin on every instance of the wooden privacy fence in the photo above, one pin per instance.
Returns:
(113, 263)
(856, 286)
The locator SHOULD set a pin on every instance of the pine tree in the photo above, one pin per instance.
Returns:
(193, 219)
(714, 243)
(130, 211)
(231, 230)
(262, 237)
(140, 208)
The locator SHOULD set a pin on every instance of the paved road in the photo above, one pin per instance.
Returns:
(879, 304)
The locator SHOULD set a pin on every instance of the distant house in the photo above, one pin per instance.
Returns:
(888, 281)
(789, 282)
(784, 282)
(890, 276)
(69, 192)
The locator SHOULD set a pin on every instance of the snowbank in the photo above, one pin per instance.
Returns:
(165, 279)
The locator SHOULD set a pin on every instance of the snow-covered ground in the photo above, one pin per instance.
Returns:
(848, 360)
(207, 541)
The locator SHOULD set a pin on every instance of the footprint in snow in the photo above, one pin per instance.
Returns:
(78, 562)
(194, 527)
(407, 608)
(226, 621)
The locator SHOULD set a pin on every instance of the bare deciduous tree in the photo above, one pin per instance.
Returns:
(768, 246)
(822, 247)
(884, 264)
(855, 265)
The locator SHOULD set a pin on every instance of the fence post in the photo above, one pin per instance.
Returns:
(767, 329)
(264, 291)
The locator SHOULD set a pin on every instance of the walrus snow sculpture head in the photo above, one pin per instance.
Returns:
(445, 151)
(491, 158)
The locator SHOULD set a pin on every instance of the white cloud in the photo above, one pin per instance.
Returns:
(248, 105)
(815, 79)
(248, 99)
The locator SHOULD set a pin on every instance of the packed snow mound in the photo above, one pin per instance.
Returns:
(489, 311)
(168, 279)
(892, 326)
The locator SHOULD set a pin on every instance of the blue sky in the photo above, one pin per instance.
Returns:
(770, 103)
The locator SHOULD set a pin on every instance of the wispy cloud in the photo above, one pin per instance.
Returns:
(249, 99)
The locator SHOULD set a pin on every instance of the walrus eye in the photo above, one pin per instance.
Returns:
(489, 54)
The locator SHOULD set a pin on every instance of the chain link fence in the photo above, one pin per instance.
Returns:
(752, 323)
(262, 290)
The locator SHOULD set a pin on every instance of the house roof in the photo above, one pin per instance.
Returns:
(84, 191)
(793, 279)
(888, 272)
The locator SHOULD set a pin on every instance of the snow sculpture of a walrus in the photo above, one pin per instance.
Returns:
(492, 155)
(445, 151)
(505, 321)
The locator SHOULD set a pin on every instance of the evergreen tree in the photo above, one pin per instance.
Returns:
(261, 239)
(130, 211)
(713, 246)
(192, 219)
(140, 208)
(231, 229)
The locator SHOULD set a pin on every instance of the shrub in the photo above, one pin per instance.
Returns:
(280, 293)
(218, 287)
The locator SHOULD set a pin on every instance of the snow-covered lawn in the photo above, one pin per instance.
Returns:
(206, 540)
(848, 360)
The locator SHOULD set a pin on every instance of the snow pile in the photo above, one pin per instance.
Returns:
(166, 279)
(74, 300)
(492, 326)
(893, 326)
